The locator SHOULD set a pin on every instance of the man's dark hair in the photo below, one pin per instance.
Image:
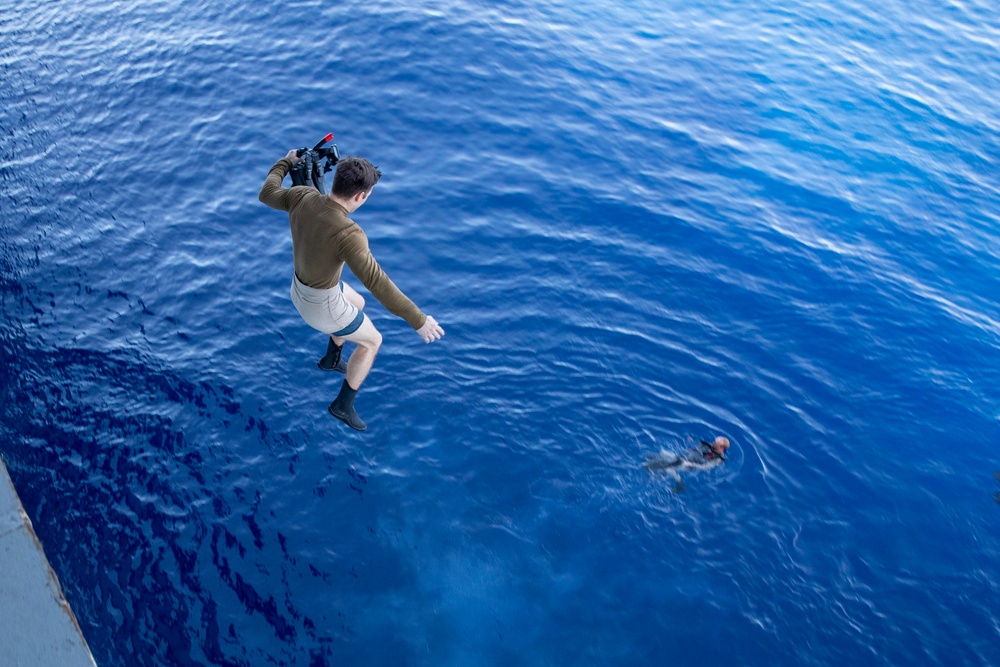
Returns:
(354, 175)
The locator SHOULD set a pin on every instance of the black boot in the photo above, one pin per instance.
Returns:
(343, 408)
(332, 361)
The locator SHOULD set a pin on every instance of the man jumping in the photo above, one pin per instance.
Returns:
(323, 240)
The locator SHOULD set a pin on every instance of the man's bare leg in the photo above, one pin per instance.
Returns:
(368, 340)
(332, 360)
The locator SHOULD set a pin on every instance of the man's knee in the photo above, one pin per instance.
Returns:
(367, 336)
(372, 344)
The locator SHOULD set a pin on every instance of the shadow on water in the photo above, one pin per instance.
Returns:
(164, 495)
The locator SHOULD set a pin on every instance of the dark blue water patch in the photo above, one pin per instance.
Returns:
(94, 430)
(638, 228)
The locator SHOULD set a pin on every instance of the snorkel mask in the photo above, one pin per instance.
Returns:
(311, 168)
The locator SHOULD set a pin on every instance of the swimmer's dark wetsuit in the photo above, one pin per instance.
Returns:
(709, 454)
(702, 456)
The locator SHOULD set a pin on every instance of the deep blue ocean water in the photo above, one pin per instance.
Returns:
(640, 223)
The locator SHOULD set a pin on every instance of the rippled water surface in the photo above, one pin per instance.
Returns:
(640, 223)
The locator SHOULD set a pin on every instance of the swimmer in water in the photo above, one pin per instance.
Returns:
(705, 456)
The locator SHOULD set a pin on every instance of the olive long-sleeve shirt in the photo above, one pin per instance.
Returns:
(324, 239)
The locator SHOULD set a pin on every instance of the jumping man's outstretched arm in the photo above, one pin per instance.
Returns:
(363, 265)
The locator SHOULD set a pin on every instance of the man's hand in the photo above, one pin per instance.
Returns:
(293, 155)
(431, 330)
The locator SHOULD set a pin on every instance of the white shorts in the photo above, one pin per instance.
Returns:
(326, 310)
